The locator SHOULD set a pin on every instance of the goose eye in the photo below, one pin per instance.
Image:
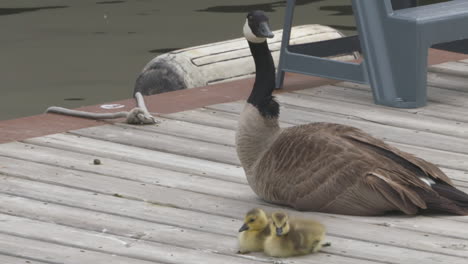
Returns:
(251, 220)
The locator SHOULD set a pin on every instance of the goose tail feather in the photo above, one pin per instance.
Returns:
(446, 199)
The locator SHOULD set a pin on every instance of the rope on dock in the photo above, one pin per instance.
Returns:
(137, 116)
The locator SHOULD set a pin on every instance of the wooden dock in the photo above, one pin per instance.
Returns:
(175, 192)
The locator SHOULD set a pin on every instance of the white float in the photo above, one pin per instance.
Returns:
(219, 62)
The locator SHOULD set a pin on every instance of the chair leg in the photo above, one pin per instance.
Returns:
(404, 65)
(288, 18)
(409, 69)
(394, 56)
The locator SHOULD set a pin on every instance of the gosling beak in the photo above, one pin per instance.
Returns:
(279, 231)
(243, 228)
(264, 30)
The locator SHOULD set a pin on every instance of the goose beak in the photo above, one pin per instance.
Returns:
(279, 231)
(264, 30)
(243, 228)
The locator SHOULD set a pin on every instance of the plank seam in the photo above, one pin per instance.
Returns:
(227, 216)
(28, 258)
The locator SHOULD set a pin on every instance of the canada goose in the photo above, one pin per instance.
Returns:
(254, 231)
(329, 167)
(293, 237)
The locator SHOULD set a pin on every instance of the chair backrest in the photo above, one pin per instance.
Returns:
(383, 8)
(387, 5)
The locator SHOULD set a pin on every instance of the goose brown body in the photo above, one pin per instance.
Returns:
(331, 167)
(337, 169)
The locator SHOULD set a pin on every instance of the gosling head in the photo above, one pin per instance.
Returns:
(257, 27)
(280, 223)
(255, 220)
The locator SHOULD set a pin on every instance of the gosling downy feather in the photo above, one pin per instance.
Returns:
(254, 231)
(329, 167)
(292, 237)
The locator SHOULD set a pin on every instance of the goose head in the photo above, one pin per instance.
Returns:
(256, 27)
(280, 223)
(255, 220)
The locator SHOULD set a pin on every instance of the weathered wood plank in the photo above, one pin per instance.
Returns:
(161, 142)
(8, 259)
(462, 219)
(434, 224)
(451, 68)
(208, 225)
(132, 248)
(378, 115)
(114, 205)
(434, 109)
(460, 177)
(445, 81)
(201, 185)
(394, 134)
(120, 188)
(140, 156)
(187, 130)
(382, 115)
(442, 158)
(208, 117)
(110, 168)
(133, 232)
(435, 94)
(228, 209)
(137, 248)
(379, 130)
(118, 225)
(127, 153)
(42, 172)
(53, 253)
(385, 132)
(439, 157)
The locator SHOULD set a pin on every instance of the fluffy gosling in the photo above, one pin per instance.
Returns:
(254, 231)
(293, 237)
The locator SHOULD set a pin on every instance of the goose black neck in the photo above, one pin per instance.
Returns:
(261, 95)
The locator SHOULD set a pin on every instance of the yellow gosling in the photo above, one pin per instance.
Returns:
(293, 237)
(254, 231)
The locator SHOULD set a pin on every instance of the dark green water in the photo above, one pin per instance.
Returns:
(77, 52)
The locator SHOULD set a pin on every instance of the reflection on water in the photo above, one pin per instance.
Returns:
(163, 50)
(341, 10)
(110, 2)
(74, 99)
(90, 52)
(18, 10)
(343, 28)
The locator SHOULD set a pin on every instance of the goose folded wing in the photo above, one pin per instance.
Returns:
(418, 167)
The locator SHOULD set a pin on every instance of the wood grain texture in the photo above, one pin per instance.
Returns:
(131, 248)
(188, 164)
(220, 217)
(56, 253)
(174, 193)
(9, 259)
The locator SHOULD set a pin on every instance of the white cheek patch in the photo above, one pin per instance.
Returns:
(249, 35)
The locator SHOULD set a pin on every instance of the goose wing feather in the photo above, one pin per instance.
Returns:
(340, 169)
(417, 164)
